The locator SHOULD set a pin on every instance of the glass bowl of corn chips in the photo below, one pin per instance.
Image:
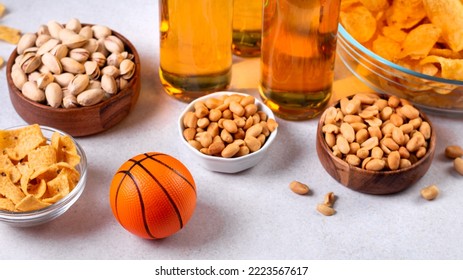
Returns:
(43, 172)
(411, 49)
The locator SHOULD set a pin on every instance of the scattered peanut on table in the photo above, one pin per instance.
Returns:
(299, 188)
(227, 126)
(430, 192)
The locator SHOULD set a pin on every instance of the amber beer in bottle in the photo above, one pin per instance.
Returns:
(247, 27)
(195, 46)
(298, 54)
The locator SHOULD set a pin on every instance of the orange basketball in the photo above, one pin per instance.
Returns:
(153, 195)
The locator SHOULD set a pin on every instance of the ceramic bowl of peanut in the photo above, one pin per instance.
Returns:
(80, 78)
(227, 132)
(375, 143)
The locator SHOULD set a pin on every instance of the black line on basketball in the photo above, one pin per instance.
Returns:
(142, 204)
(174, 170)
(172, 202)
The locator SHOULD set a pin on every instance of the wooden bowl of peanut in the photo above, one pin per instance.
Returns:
(79, 78)
(375, 144)
(226, 131)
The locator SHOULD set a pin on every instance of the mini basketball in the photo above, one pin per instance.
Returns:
(153, 195)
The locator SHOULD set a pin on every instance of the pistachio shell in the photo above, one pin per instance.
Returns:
(101, 31)
(42, 39)
(86, 32)
(101, 47)
(79, 54)
(111, 70)
(74, 25)
(54, 28)
(99, 58)
(114, 59)
(92, 69)
(127, 68)
(30, 62)
(113, 44)
(43, 30)
(33, 76)
(60, 51)
(122, 83)
(91, 46)
(94, 84)
(31, 91)
(71, 39)
(108, 83)
(52, 63)
(64, 79)
(72, 66)
(19, 78)
(47, 46)
(54, 95)
(26, 41)
(78, 84)
(44, 80)
(70, 101)
(90, 97)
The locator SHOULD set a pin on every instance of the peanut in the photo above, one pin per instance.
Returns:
(453, 151)
(430, 192)
(458, 165)
(299, 188)
(325, 209)
(329, 199)
(228, 126)
(383, 134)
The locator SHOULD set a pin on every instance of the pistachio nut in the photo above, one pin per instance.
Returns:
(70, 101)
(90, 97)
(19, 78)
(31, 90)
(111, 70)
(47, 46)
(108, 84)
(30, 62)
(99, 58)
(64, 79)
(92, 69)
(54, 28)
(86, 32)
(59, 51)
(33, 76)
(94, 84)
(74, 25)
(113, 44)
(52, 63)
(72, 66)
(42, 39)
(127, 68)
(122, 83)
(79, 54)
(43, 30)
(78, 84)
(101, 31)
(71, 39)
(91, 46)
(26, 41)
(101, 48)
(54, 95)
(114, 59)
(44, 80)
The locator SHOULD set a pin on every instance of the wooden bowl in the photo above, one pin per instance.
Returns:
(81, 121)
(372, 182)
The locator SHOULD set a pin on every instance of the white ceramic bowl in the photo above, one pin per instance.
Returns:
(41, 216)
(227, 165)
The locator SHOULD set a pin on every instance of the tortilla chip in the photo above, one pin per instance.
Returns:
(10, 190)
(9, 34)
(30, 203)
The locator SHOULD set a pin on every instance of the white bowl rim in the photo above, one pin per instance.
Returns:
(260, 104)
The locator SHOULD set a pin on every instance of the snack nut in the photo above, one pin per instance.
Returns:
(376, 134)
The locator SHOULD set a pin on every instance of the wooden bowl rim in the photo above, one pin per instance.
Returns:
(326, 149)
(132, 81)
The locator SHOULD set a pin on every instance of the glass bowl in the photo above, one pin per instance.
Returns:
(427, 92)
(41, 216)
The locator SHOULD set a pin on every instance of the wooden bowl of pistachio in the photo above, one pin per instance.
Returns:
(375, 143)
(80, 78)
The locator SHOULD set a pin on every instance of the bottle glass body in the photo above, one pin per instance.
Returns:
(298, 55)
(195, 46)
